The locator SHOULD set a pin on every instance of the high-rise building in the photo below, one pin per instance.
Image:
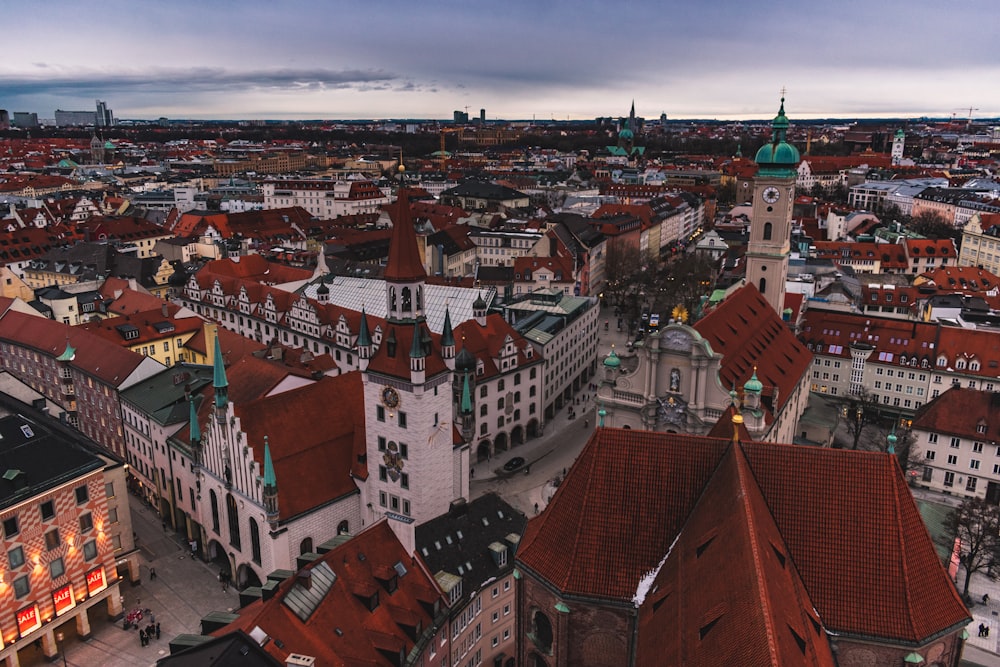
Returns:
(67, 118)
(24, 119)
(104, 116)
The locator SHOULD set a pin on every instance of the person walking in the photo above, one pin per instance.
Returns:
(152, 574)
(157, 630)
(142, 637)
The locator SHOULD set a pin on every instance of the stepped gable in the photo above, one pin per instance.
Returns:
(748, 333)
(856, 537)
(749, 605)
(339, 622)
(630, 489)
(405, 263)
(313, 458)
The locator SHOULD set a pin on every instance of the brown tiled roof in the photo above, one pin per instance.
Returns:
(962, 412)
(342, 630)
(748, 333)
(404, 263)
(635, 500)
(313, 458)
(750, 606)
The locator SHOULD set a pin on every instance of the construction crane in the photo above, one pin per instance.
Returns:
(968, 123)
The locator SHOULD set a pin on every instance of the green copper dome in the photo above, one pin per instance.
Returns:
(754, 384)
(612, 360)
(626, 134)
(778, 158)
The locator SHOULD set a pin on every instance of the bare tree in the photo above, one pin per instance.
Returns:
(860, 411)
(976, 525)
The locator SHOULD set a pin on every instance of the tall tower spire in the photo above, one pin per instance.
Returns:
(219, 382)
(771, 222)
(404, 270)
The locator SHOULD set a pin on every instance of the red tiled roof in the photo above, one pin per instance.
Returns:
(749, 601)
(404, 263)
(962, 412)
(748, 333)
(146, 325)
(397, 364)
(869, 568)
(831, 333)
(313, 458)
(930, 247)
(342, 630)
(967, 279)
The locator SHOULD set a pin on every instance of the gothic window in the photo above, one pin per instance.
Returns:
(215, 510)
(306, 546)
(407, 304)
(420, 298)
(255, 540)
(762, 285)
(541, 632)
(232, 514)
(392, 298)
(343, 528)
(767, 231)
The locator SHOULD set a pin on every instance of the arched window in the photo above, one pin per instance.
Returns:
(233, 517)
(420, 298)
(541, 631)
(255, 540)
(762, 285)
(343, 528)
(767, 231)
(392, 298)
(407, 300)
(215, 510)
(306, 546)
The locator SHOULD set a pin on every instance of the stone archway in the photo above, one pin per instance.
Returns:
(216, 554)
(517, 435)
(484, 451)
(501, 443)
(246, 576)
(533, 428)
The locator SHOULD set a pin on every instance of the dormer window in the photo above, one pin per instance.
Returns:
(960, 364)
(942, 361)
(981, 427)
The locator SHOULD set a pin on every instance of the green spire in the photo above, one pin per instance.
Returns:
(195, 429)
(417, 349)
(466, 396)
(754, 384)
(447, 336)
(270, 481)
(601, 414)
(219, 381)
(364, 338)
(892, 440)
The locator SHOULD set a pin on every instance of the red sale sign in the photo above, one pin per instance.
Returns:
(28, 620)
(63, 599)
(96, 581)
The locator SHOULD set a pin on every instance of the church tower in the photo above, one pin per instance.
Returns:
(415, 467)
(771, 222)
(898, 144)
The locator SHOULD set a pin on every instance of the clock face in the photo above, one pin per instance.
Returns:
(390, 398)
(771, 195)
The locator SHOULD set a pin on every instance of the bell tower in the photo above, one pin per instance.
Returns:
(771, 221)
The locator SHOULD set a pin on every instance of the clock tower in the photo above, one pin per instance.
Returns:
(415, 466)
(771, 222)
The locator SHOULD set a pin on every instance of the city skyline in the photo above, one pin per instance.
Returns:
(559, 60)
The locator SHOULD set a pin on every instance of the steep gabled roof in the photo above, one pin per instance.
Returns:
(750, 606)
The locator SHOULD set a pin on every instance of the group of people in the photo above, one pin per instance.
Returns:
(151, 631)
(984, 630)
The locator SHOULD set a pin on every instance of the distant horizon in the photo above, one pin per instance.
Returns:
(726, 61)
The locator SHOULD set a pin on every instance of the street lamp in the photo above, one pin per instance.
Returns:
(59, 640)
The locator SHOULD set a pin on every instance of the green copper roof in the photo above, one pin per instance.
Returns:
(466, 396)
(447, 335)
(416, 349)
(193, 422)
(754, 384)
(913, 658)
(625, 134)
(778, 158)
(612, 360)
(270, 481)
(364, 338)
(219, 378)
(900, 134)
(69, 354)
(892, 440)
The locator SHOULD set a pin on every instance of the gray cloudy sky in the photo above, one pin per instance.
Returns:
(517, 59)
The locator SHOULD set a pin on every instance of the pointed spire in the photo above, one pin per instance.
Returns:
(892, 440)
(404, 263)
(364, 337)
(193, 424)
(219, 381)
(270, 481)
(466, 405)
(416, 347)
(447, 335)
